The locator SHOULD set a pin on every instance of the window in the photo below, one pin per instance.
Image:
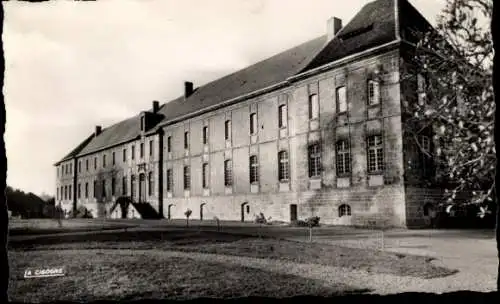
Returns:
(104, 161)
(70, 169)
(95, 189)
(169, 180)
(133, 152)
(228, 174)
(187, 178)
(375, 154)
(95, 163)
(344, 210)
(79, 191)
(87, 165)
(69, 192)
(314, 160)
(186, 140)
(373, 92)
(205, 135)
(113, 159)
(151, 148)
(86, 190)
(205, 175)
(141, 150)
(341, 99)
(227, 130)
(150, 183)
(283, 169)
(65, 192)
(254, 169)
(282, 116)
(80, 166)
(313, 106)
(169, 144)
(343, 158)
(142, 123)
(253, 123)
(124, 155)
(103, 190)
(124, 185)
(113, 186)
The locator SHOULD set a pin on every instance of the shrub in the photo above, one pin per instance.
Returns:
(82, 212)
(260, 219)
(313, 221)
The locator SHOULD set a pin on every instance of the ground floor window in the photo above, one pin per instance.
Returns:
(344, 210)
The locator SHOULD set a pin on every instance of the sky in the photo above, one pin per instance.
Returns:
(70, 66)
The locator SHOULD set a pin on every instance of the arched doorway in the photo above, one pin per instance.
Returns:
(245, 208)
(201, 211)
(169, 211)
(142, 188)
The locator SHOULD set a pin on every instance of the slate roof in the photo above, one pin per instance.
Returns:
(373, 25)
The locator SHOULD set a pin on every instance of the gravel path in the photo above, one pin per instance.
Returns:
(378, 283)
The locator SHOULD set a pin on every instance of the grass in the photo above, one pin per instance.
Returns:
(244, 245)
(130, 276)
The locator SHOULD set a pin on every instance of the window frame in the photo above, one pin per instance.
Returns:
(228, 173)
(150, 183)
(205, 135)
(187, 177)
(205, 176)
(170, 179)
(344, 210)
(314, 160)
(227, 129)
(343, 158)
(283, 166)
(282, 116)
(253, 123)
(313, 106)
(253, 168)
(341, 101)
(373, 87)
(375, 148)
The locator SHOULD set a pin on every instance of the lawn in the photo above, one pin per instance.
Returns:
(370, 260)
(51, 226)
(126, 275)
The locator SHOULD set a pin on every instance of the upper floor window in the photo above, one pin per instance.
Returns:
(79, 191)
(375, 154)
(143, 123)
(133, 152)
(314, 160)
(205, 135)
(283, 169)
(341, 99)
(95, 189)
(65, 192)
(95, 163)
(104, 160)
(254, 169)
(86, 190)
(141, 150)
(151, 148)
(187, 178)
(373, 92)
(113, 186)
(124, 155)
(69, 192)
(253, 123)
(205, 175)
(150, 183)
(186, 140)
(113, 159)
(282, 116)
(343, 158)
(80, 166)
(170, 180)
(169, 144)
(313, 106)
(87, 164)
(227, 130)
(228, 174)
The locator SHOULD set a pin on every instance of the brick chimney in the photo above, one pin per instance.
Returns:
(188, 89)
(98, 130)
(156, 106)
(333, 26)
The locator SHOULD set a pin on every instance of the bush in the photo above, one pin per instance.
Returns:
(312, 221)
(260, 219)
(82, 212)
